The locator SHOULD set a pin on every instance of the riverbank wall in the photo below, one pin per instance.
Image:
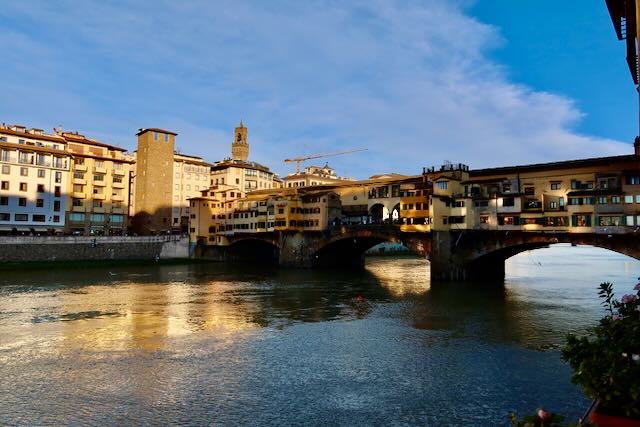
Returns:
(15, 249)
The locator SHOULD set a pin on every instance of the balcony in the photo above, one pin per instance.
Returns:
(98, 196)
(99, 184)
(117, 210)
(116, 198)
(80, 167)
(77, 209)
(117, 184)
(79, 195)
(118, 172)
(97, 169)
(79, 181)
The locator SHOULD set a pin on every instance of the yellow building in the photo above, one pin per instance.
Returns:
(99, 186)
(600, 195)
(223, 213)
(191, 175)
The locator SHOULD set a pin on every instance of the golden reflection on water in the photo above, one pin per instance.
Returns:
(122, 316)
(410, 277)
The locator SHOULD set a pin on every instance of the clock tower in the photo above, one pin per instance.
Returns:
(240, 147)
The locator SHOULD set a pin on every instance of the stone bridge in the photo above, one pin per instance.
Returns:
(454, 255)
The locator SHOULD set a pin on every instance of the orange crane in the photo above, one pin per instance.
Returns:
(301, 159)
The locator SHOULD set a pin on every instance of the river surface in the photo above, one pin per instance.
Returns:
(211, 344)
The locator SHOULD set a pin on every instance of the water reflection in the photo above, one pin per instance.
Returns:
(209, 344)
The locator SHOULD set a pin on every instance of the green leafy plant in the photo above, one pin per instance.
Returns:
(606, 364)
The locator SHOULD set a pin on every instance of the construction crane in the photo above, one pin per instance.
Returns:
(301, 159)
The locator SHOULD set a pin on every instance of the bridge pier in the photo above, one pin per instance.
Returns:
(450, 262)
(296, 249)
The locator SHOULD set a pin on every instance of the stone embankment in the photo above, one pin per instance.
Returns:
(90, 248)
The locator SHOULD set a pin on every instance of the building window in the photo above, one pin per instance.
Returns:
(556, 185)
(98, 177)
(75, 216)
(40, 188)
(97, 217)
(21, 217)
(56, 192)
(23, 186)
(77, 202)
(58, 177)
(117, 179)
(443, 185)
(615, 200)
(116, 218)
(605, 221)
(4, 185)
(4, 201)
(39, 218)
(628, 199)
(97, 203)
(24, 171)
(6, 169)
(41, 173)
(56, 218)
(166, 137)
(581, 220)
(155, 136)
(633, 179)
(56, 205)
(602, 200)
(5, 216)
(553, 205)
(508, 201)
(484, 219)
(39, 203)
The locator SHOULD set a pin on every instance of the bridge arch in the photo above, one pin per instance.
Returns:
(253, 250)
(482, 255)
(348, 249)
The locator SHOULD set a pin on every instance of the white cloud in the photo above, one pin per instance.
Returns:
(409, 80)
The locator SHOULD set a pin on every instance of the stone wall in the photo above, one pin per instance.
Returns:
(86, 248)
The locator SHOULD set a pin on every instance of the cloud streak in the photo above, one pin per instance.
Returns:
(409, 80)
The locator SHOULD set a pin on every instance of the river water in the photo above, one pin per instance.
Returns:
(211, 344)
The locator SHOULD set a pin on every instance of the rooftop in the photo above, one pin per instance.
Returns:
(143, 130)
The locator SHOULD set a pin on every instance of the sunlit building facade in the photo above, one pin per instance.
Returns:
(34, 181)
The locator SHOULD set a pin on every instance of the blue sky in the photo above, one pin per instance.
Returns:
(486, 82)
